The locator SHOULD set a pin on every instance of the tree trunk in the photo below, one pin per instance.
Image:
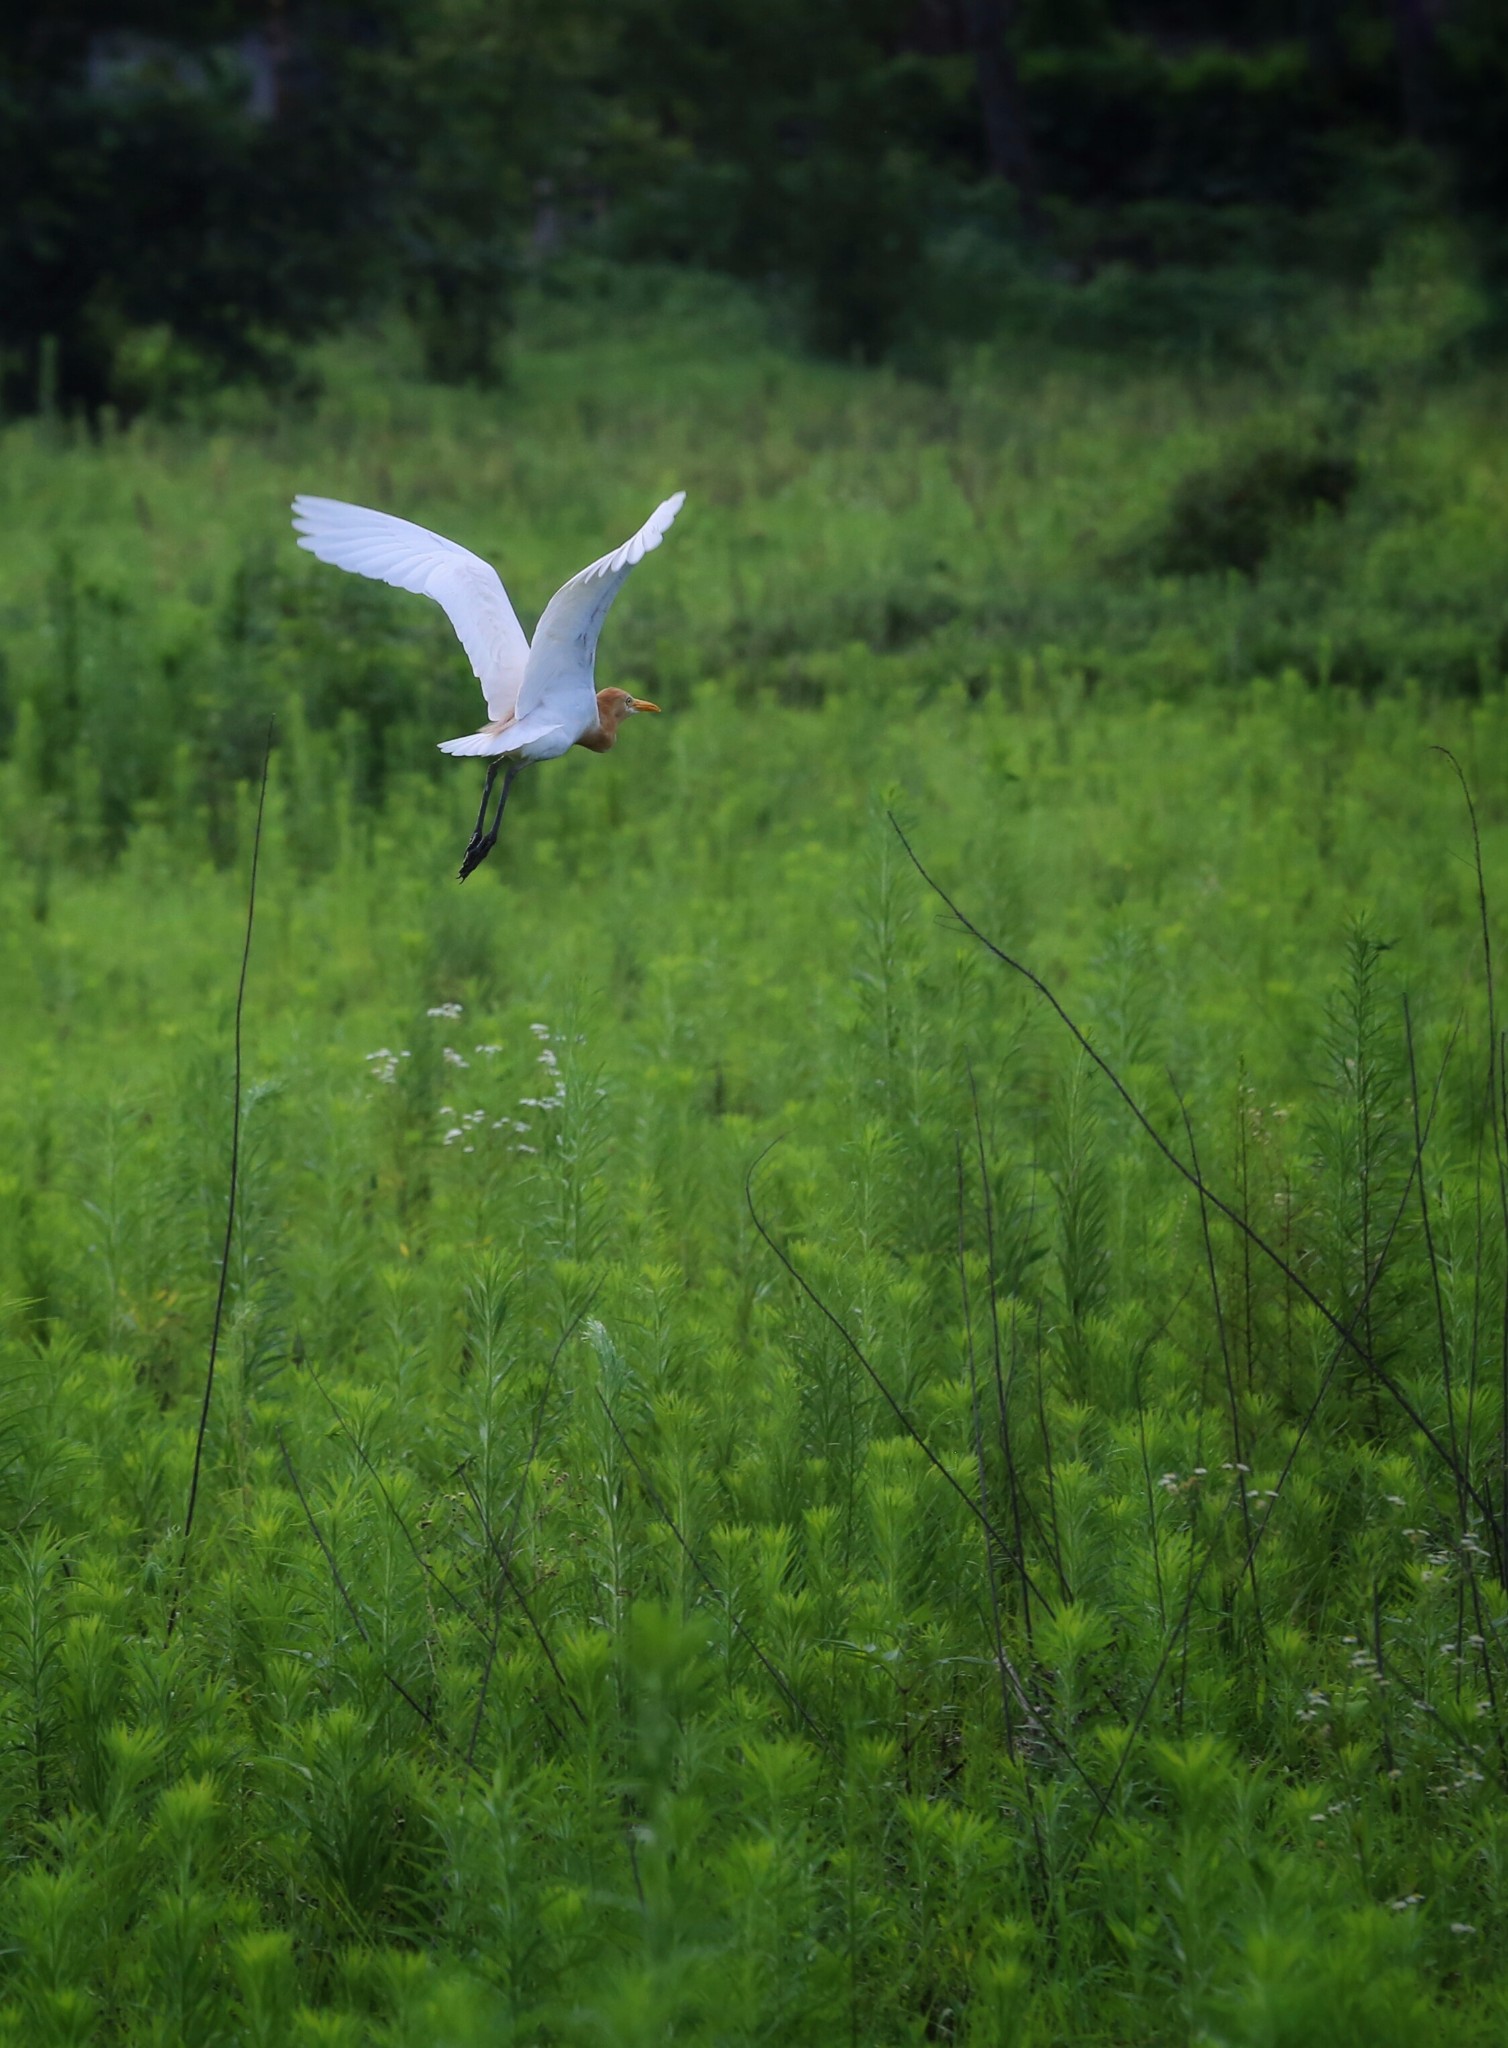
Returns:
(1322, 34)
(1006, 142)
(1414, 34)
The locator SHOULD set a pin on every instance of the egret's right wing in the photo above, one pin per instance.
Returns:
(467, 589)
(565, 640)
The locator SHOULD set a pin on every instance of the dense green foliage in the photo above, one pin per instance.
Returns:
(589, 1632)
(1101, 527)
(183, 186)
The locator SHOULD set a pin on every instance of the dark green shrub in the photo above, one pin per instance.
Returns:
(1230, 515)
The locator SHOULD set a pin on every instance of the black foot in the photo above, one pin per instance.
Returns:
(474, 855)
(482, 844)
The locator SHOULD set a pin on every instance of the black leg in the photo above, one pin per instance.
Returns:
(491, 840)
(479, 848)
(481, 816)
(472, 855)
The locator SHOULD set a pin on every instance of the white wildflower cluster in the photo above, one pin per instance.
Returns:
(1442, 1559)
(550, 1061)
(463, 1128)
(469, 1122)
(1333, 1811)
(547, 1104)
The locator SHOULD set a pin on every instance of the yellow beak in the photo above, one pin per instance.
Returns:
(640, 705)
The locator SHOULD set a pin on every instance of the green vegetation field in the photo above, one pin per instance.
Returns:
(745, 1499)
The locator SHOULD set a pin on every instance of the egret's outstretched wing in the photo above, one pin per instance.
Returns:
(565, 640)
(467, 589)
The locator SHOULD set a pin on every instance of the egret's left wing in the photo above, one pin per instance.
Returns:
(565, 640)
(468, 590)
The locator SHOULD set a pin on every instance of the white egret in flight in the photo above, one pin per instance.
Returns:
(541, 698)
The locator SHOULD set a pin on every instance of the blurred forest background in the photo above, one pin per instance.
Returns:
(191, 185)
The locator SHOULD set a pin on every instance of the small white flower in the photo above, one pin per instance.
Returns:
(452, 1058)
(540, 1030)
(487, 1050)
(1413, 1899)
(444, 1010)
(1462, 1927)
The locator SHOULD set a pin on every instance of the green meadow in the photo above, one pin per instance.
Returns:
(766, 1479)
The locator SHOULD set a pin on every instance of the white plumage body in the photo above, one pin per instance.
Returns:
(541, 697)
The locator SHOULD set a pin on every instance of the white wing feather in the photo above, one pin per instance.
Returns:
(565, 640)
(467, 589)
(539, 738)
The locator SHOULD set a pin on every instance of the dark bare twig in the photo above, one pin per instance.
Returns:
(504, 1555)
(874, 1377)
(347, 1601)
(388, 1502)
(230, 1204)
(509, 1578)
